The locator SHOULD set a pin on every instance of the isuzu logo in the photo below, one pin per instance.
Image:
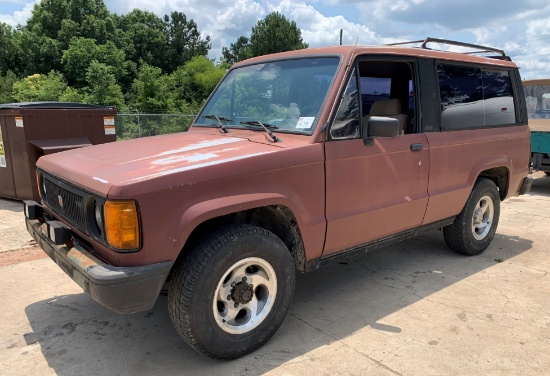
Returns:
(60, 200)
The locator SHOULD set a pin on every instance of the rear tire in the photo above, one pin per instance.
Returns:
(231, 292)
(474, 228)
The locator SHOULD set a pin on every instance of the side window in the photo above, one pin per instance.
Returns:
(474, 98)
(461, 97)
(498, 98)
(387, 90)
(346, 122)
(374, 89)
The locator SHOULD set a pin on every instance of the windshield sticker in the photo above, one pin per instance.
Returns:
(305, 122)
(2, 152)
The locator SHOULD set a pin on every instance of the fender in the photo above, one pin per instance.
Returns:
(480, 166)
(488, 163)
(205, 210)
(449, 201)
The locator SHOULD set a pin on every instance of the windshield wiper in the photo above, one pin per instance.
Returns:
(265, 126)
(219, 119)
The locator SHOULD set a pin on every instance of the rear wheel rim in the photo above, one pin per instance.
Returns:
(482, 219)
(244, 295)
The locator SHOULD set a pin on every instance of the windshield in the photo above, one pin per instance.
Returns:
(286, 95)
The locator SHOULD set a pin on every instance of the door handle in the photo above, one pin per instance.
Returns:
(416, 147)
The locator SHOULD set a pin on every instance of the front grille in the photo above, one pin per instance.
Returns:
(65, 201)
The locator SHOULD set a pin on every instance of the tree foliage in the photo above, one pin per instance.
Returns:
(80, 54)
(6, 87)
(76, 50)
(39, 87)
(240, 50)
(184, 41)
(102, 85)
(274, 33)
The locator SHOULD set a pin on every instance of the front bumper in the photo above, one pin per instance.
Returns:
(121, 289)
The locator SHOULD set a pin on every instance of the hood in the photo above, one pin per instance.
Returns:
(99, 168)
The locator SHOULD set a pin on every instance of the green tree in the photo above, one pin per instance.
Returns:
(64, 19)
(52, 25)
(195, 81)
(103, 87)
(184, 41)
(80, 54)
(39, 87)
(143, 37)
(36, 53)
(275, 33)
(7, 48)
(240, 50)
(6, 87)
(152, 91)
(73, 95)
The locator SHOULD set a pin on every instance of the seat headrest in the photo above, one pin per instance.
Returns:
(386, 108)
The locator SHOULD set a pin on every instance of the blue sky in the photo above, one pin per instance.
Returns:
(520, 27)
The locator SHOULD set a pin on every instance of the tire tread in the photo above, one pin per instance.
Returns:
(458, 234)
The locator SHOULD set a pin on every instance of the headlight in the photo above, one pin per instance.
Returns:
(121, 224)
(98, 217)
(43, 180)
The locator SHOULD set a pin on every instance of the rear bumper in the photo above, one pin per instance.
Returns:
(121, 289)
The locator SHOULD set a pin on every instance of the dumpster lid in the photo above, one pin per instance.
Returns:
(53, 146)
(52, 105)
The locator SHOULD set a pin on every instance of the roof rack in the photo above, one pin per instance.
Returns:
(478, 49)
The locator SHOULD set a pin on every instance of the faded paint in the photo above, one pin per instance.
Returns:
(200, 165)
(186, 158)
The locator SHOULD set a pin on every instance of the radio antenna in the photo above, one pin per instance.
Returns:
(352, 52)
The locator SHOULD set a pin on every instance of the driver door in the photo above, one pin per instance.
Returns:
(373, 189)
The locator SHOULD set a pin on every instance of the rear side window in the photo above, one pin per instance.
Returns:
(472, 97)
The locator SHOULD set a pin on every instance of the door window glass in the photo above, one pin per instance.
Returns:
(346, 122)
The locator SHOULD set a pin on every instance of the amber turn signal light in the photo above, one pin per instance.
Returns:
(121, 224)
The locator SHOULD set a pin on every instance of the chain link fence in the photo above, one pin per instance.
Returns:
(144, 125)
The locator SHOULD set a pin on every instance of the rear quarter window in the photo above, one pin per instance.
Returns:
(473, 97)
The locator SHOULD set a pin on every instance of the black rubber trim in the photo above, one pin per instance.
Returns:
(526, 185)
(364, 248)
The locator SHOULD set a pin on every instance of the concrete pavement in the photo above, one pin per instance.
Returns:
(13, 234)
(415, 308)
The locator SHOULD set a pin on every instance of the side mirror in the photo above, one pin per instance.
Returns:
(378, 126)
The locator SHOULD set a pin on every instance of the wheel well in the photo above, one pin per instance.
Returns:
(276, 218)
(500, 176)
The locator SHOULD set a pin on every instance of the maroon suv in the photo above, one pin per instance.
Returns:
(297, 159)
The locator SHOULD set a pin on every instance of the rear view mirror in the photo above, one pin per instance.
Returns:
(378, 126)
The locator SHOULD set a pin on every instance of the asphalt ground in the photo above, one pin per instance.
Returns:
(415, 308)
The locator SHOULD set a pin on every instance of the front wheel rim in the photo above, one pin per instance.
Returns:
(245, 295)
(482, 219)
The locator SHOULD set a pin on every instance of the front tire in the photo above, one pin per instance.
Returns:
(231, 292)
(474, 228)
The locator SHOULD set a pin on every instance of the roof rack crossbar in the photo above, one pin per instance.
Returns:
(479, 48)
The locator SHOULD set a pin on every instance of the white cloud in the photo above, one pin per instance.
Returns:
(18, 17)
(520, 28)
(319, 30)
